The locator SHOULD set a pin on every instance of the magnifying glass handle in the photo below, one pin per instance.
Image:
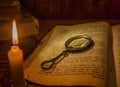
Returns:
(49, 64)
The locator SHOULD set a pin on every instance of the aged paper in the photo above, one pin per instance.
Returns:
(87, 68)
(116, 50)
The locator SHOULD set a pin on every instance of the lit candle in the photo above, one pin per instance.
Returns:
(15, 56)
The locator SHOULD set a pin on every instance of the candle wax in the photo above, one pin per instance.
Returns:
(15, 55)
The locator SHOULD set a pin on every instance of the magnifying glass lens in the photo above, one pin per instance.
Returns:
(78, 43)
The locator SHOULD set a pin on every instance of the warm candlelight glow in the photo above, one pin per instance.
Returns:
(15, 55)
(14, 33)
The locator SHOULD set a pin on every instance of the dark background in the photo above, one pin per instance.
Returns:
(73, 9)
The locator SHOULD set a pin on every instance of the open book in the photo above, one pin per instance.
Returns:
(99, 66)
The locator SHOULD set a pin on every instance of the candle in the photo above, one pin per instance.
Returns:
(15, 56)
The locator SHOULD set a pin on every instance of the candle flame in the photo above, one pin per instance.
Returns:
(14, 34)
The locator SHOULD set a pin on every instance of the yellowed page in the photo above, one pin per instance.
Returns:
(116, 50)
(88, 68)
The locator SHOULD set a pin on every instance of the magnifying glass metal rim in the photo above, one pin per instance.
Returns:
(80, 48)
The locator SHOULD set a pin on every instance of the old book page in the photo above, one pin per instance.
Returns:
(87, 68)
(116, 50)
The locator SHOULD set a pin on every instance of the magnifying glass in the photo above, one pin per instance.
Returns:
(75, 44)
